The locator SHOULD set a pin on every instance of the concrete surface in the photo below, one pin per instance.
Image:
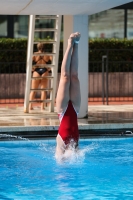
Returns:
(102, 117)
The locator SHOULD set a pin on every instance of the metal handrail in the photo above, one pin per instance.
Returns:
(105, 57)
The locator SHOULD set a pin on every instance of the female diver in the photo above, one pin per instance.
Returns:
(68, 99)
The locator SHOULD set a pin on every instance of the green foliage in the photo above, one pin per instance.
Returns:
(119, 51)
(13, 55)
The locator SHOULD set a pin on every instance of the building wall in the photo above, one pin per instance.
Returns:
(119, 85)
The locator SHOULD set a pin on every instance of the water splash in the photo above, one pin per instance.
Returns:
(46, 147)
(10, 137)
(76, 156)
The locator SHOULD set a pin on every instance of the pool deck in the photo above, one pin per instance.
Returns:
(101, 118)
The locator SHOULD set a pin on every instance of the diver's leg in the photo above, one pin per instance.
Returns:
(63, 94)
(74, 81)
(60, 147)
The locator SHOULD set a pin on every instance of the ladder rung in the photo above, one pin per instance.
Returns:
(43, 65)
(45, 89)
(40, 101)
(42, 77)
(46, 42)
(42, 54)
(45, 29)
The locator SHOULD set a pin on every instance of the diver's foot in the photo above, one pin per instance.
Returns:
(77, 37)
(71, 40)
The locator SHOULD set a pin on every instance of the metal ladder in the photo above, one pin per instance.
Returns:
(55, 54)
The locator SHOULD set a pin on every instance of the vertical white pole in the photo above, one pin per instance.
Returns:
(79, 23)
(29, 61)
(55, 60)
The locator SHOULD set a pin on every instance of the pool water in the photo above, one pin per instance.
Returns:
(102, 169)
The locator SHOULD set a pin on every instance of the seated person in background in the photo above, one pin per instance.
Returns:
(39, 71)
(68, 100)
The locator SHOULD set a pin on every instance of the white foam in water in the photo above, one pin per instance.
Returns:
(72, 156)
(43, 147)
(48, 149)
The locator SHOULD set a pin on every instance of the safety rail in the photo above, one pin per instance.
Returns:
(110, 80)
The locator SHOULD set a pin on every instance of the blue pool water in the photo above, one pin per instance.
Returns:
(103, 169)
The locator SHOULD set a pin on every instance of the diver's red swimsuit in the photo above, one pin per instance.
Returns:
(68, 129)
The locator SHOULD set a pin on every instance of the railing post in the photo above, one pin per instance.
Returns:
(103, 59)
(107, 79)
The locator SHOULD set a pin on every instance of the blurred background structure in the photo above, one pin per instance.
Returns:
(113, 23)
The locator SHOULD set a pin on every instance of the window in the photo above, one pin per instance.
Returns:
(3, 25)
(130, 24)
(21, 26)
(107, 24)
